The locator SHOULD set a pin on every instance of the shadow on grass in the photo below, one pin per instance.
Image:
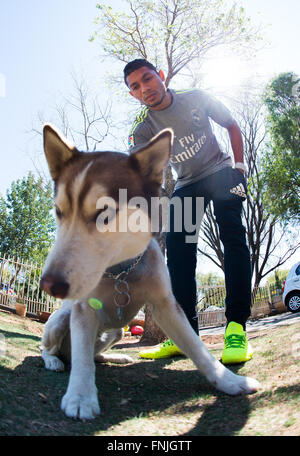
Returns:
(18, 335)
(30, 397)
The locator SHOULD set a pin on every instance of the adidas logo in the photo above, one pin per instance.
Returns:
(239, 190)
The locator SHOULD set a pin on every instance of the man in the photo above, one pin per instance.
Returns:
(205, 171)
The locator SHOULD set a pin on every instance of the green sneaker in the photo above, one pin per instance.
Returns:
(236, 346)
(165, 350)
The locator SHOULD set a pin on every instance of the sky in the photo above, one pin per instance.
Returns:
(42, 42)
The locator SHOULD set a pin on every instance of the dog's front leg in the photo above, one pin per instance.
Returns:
(174, 323)
(81, 398)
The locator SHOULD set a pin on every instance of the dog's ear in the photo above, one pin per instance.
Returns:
(152, 157)
(57, 150)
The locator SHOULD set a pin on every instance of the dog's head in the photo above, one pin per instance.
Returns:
(102, 203)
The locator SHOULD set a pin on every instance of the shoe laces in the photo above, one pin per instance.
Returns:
(168, 343)
(235, 341)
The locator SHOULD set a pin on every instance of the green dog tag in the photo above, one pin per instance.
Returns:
(95, 303)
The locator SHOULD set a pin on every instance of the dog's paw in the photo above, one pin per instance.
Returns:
(124, 359)
(53, 363)
(237, 384)
(247, 385)
(113, 358)
(85, 407)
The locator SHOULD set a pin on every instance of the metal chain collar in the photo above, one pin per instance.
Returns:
(122, 296)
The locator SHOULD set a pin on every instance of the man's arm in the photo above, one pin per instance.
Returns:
(236, 140)
(221, 115)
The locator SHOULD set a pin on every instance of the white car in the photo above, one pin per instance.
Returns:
(291, 289)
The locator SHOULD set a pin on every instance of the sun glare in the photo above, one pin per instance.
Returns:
(225, 73)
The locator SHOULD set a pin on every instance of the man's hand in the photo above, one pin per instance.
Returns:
(241, 167)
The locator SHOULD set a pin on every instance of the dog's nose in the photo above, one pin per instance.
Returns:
(55, 286)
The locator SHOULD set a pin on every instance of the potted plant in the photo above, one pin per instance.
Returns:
(21, 307)
(43, 316)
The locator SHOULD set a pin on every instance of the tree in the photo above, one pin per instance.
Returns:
(27, 225)
(81, 116)
(91, 117)
(210, 280)
(173, 34)
(278, 277)
(264, 234)
(281, 164)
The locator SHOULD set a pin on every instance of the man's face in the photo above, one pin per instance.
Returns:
(147, 86)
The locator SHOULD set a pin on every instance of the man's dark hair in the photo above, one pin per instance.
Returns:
(135, 65)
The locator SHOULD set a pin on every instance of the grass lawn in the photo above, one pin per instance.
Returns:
(154, 398)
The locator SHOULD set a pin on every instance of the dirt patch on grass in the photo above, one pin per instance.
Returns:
(29, 324)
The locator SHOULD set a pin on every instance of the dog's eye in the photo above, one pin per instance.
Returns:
(58, 212)
(99, 212)
(105, 215)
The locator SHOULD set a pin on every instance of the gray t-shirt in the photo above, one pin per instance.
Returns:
(196, 152)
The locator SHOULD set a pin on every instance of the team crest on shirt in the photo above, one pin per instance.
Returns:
(131, 141)
(197, 117)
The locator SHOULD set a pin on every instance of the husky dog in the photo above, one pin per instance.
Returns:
(120, 269)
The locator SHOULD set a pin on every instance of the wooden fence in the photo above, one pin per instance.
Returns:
(20, 282)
